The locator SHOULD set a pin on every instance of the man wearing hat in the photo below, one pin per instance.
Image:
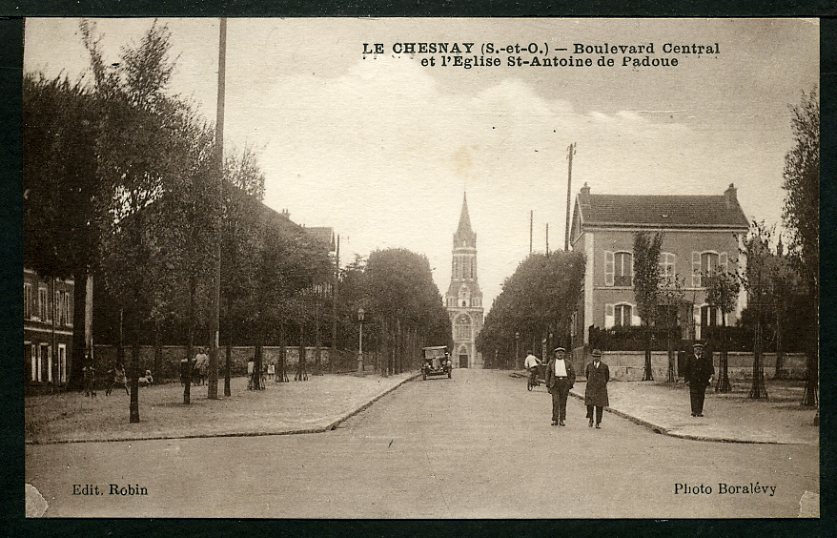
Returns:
(595, 393)
(560, 378)
(698, 373)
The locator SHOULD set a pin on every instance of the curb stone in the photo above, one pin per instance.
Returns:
(350, 414)
(317, 429)
(656, 428)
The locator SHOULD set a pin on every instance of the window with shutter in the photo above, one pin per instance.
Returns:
(723, 261)
(609, 316)
(624, 269)
(609, 267)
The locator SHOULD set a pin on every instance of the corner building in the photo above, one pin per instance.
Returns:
(464, 298)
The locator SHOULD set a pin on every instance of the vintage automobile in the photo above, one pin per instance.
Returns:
(436, 361)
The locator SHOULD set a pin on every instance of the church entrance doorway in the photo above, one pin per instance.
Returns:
(463, 361)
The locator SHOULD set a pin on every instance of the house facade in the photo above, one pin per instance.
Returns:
(701, 234)
(463, 300)
(47, 329)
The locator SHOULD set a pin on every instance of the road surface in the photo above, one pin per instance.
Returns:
(476, 446)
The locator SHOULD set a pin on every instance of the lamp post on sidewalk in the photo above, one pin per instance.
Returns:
(516, 348)
(360, 315)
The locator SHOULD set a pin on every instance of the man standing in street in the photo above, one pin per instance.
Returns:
(560, 378)
(698, 374)
(595, 393)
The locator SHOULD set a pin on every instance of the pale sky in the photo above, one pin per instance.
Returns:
(381, 148)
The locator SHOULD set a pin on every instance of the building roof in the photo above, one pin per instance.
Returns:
(322, 234)
(661, 211)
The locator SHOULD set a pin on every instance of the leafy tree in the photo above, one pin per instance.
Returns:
(722, 293)
(647, 286)
(405, 303)
(244, 190)
(801, 217)
(62, 191)
(671, 298)
(756, 281)
(137, 131)
(534, 302)
(186, 242)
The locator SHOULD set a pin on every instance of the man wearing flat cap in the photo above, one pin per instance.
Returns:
(595, 392)
(698, 373)
(560, 378)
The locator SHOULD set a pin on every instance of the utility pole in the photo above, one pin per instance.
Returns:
(547, 239)
(531, 219)
(570, 153)
(214, 318)
(334, 296)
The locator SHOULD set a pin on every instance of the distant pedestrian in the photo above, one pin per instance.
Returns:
(251, 369)
(560, 378)
(88, 374)
(595, 393)
(201, 365)
(117, 378)
(698, 372)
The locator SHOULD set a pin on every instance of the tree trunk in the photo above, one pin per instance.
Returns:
(134, 370)
(190, 340)
(672, 378)
(257, 359)
(74, 381)
(649, 374)
(399, 345)
(758, 390)
(780, 372)
(723, 384)
(317, 342)
(158, 352)
(281, 374)
(301, 373)
(228, 357)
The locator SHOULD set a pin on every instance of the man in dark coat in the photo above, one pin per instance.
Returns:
(560, 378)
(698, 373)
(595, 393)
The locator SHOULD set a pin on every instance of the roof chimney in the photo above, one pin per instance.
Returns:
(730, 196)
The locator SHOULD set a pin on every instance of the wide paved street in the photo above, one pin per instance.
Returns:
(476, 446)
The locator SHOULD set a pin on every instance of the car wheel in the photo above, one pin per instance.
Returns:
(448, 375)
(424, 377)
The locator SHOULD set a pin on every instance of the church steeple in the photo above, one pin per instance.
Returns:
(464, 236)
(464, 298)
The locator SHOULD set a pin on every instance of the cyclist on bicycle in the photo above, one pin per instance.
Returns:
(531, 364)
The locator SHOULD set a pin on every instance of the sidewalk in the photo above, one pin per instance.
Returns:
(730, 417)
(312, 406)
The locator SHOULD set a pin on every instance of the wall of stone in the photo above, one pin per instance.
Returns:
(630, 365)
(105, 358)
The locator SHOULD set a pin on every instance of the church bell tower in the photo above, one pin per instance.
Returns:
(464, 298)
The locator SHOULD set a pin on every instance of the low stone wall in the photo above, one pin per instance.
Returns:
(105, 357)
(630, 365)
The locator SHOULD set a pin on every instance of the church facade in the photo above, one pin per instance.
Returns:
(464, 298)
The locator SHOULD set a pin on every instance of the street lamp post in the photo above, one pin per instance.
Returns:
(516, 348)
(360, 315)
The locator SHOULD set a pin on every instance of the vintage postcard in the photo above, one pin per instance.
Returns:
(421, 268)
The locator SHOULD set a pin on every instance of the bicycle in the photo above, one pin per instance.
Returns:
(532, 379)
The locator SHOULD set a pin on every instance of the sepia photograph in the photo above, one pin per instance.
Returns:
(421, 268)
